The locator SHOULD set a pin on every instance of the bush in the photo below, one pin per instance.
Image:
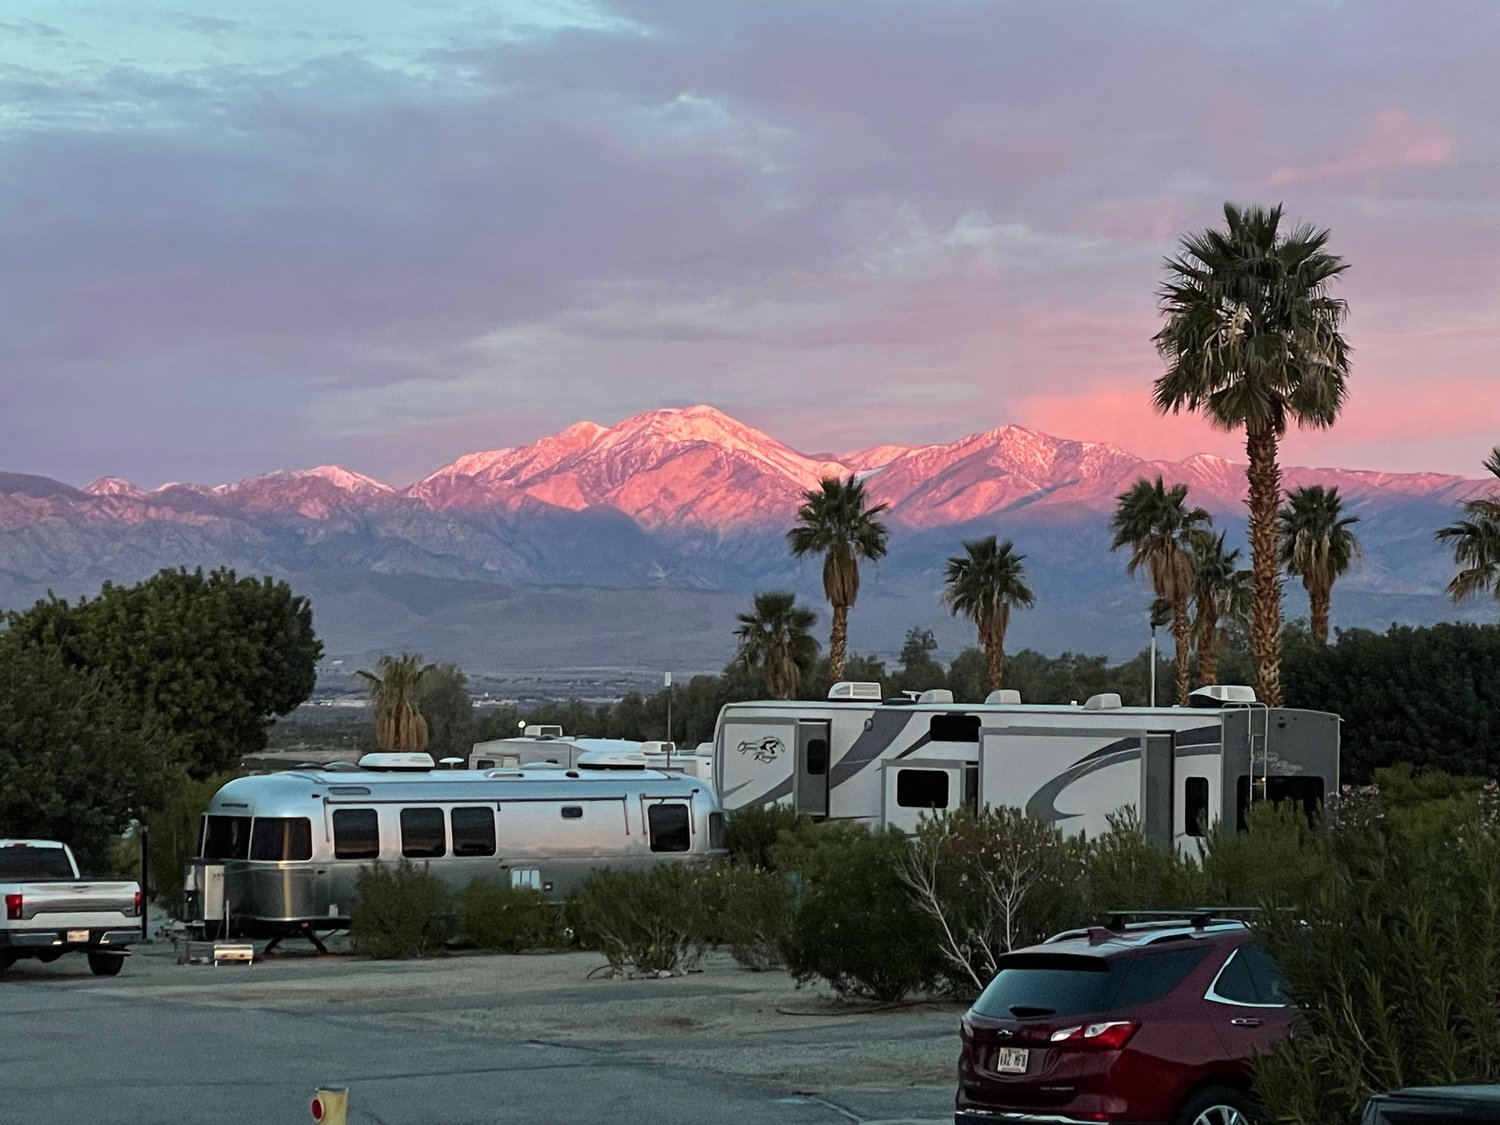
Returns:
(1281, 861)
(752, 833)
(658, 920)
(1123, 870)
(858, 928)
(400, 911)
(755, 915)
(508, 919)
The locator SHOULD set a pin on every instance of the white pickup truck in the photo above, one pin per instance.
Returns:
(50, 910)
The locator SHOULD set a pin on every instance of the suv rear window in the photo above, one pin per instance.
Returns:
(1070, 984)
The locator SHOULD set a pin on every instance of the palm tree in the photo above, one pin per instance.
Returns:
(985, 584)
(1476, 542)
(1317, 546)
(836, 522)
(775, 641)
(1157, 525)
(1252, 342)
(393, 690)
(1221, 596)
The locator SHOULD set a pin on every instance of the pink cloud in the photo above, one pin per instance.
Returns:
(1393, 139)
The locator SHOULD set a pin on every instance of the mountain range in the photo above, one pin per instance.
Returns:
(600, 553)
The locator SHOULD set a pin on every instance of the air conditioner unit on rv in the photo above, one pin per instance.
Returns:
(936, 695)
(1003, 697)
(1105, 701)
(848, 689)
(543, 730)
(1222, 695)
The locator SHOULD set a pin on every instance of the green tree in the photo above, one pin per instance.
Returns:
(1221, 598)
(774, 640)
(1157, 525)
(1476, 542)
(919, 671)
(984, 584)
(207, 660)
(442, 698)
(837, 522)
(395, 686)
(1317, 546)
(967, 676)
(1252, 341)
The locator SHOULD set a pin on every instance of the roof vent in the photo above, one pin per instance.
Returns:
(543, 730)
(1222, 695)
(848, 689)
(936, 695)
(1105, 701)
(1002, 697)
(401, 760)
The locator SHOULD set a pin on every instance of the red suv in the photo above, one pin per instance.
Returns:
(1137, 1024)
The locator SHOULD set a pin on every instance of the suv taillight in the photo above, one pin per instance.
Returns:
(13, 904)
(137, 910)
(1109, 1036)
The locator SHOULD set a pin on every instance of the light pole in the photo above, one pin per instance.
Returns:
(666, 682)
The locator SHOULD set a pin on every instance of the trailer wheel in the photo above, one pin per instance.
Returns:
(106, 964)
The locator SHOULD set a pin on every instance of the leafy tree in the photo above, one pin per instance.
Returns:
(984, 584)
(1157, 525)
(967, 676)
(1221, 597)
(919, 671)
(395, 686)
(1476, 542)
(442, 698)
(207, 660)
(775, 642)
(837, 522)
(1317, 546)
(1252, 342)
(858, 668)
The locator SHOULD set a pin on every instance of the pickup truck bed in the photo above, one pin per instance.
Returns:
(49, 910)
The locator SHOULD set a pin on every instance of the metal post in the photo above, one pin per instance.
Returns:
(667, 683)
(145, 883)
(1153, 664)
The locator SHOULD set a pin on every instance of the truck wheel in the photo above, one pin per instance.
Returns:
(106, 964)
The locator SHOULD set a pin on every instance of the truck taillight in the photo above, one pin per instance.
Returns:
(13, 904)
(137, 910)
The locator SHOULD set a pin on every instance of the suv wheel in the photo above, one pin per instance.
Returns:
(1216, 1105)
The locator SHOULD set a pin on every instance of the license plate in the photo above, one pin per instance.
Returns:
(1011, 1060)
(78, 935)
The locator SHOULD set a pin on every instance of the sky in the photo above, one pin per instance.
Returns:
(241, 235)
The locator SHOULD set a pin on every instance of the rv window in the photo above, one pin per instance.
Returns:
(572, 812)
(473, 831)
(1304, 791)
(817, 756)
(922, 789)
(954, 728)
(668, 825)
(281, 837)
(422, 834)
(226, 837)
(1195, 805)
(356, 834)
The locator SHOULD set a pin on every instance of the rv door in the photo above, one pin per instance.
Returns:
(1156, 787)
(811, 783)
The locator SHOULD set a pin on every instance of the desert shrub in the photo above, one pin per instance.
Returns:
(1395, 964)
(857, 926)
(987, 883)
(509, 919)
(657, 920)
(752, 832)
(1123, 870)
(400, 911)
(1281, 860)
(755, 915)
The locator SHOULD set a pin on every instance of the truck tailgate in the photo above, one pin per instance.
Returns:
(66, 905)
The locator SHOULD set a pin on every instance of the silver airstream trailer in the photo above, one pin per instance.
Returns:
(279, 853)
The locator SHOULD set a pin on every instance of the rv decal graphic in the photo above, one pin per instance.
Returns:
(768, 749)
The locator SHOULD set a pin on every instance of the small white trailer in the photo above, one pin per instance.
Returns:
(1183, 769)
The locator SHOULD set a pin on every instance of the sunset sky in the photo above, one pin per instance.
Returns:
(238, 235)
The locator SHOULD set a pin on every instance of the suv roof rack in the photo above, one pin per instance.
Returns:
(1199, 917)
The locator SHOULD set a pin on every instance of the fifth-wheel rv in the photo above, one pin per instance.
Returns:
(279, 853)
(1182, 769)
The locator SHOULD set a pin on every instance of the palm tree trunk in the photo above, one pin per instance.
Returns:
(1182, 628)
(1265, 619)
(1321, 599)
(994, 662)
(1208, 647)
(838, 638)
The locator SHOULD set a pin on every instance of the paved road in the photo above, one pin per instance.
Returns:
(133, 1052)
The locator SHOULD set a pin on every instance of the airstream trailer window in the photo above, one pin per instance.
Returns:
(668, 825)
(473, 830)
(572, 812)
(281, 837)
(356, 834)
(922, 789)
(953, 728)
(1195, 805)
(226, 837)
(422, 834)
